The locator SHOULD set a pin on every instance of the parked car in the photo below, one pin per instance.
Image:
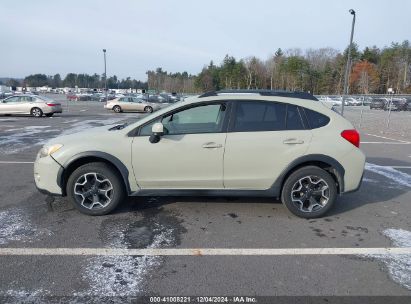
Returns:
(378, 103)
(397, 104)
(109, 97)
(95, 96)
(154, 98)
(130, 104)
(72, 97)
(350, 101)
(262, 143)
(169, 98)
(407, 106)
(34, 105)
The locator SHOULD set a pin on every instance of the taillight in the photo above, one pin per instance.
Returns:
(51, 104)
(352, 136)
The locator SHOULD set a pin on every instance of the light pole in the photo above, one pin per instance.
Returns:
(347, 68)
(105, 73)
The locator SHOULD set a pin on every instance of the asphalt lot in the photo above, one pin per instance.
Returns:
(377, 216)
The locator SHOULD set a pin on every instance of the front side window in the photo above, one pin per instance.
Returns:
(200, 119)
(259, 116)
(12, 99)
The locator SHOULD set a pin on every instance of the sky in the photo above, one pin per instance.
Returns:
(48, 36)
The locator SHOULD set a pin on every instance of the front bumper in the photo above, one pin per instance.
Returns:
(45, 175)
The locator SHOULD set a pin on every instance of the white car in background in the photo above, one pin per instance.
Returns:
(25, 104)
(131, 104)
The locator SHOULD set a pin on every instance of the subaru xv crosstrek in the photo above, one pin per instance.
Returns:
(284, 145)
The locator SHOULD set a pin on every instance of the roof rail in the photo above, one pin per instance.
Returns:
(292, 94)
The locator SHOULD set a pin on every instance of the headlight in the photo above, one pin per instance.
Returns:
(48, 150)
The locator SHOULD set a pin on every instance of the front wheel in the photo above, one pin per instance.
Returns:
(309, 192)
(117, 109)
(148, 109)
(95, 189)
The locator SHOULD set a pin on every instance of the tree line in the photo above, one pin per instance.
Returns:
(72, 80)
(319, 71)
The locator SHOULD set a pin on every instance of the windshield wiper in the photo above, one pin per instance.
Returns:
(118, 127)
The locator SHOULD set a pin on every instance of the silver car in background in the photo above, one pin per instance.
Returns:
(131, 104)
(34, 105)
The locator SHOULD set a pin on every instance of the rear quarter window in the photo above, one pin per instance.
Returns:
(315, 119)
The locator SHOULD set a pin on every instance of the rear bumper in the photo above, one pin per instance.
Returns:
(53, 109)
(353, 163)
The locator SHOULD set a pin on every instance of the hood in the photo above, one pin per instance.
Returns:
(82, 135)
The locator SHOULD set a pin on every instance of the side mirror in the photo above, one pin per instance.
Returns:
(158, 130)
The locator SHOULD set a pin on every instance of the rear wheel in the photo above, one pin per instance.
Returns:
(309, 192)
(117, 109)
(36, 112)
(148, 109)
(95, 189)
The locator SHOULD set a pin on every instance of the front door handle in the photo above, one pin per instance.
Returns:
(212, 145)
(293, 141)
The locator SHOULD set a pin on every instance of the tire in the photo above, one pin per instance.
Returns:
(315, 178)
(49, 114)
(148, 109)
(36, 112)
(117, 109)
(83, 191)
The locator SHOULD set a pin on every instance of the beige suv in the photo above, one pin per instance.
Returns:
(229, 143)
(34, 105)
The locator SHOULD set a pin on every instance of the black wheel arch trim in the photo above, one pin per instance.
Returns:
(339, 173)
(118, 164)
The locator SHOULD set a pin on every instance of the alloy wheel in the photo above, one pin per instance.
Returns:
(310, 193)
(93, 191)
(36, 112)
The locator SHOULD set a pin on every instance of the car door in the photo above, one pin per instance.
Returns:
(263, 139)
(124, 103)
(137, 104)
(25, 104)
(10, 105)
(189, 154)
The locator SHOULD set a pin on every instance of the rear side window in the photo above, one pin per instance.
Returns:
(293, 121)
(259, 116)
(315, 119)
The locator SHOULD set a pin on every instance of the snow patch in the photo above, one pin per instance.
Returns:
(23, 138)
(123, 275)
(16, 226)
(399, 266)
(369, 180)
(24, 296)
(394, 175)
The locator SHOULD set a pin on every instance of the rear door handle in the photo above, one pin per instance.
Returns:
(293, 141)
(211, 145)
